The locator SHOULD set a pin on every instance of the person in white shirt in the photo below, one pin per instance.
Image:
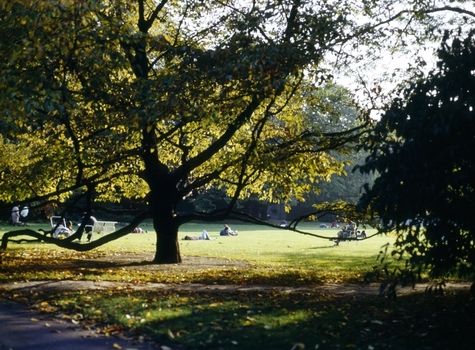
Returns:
(63, 230)
(24, 213)
(204, 236)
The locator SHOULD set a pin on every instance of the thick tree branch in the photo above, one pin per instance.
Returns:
(216, 146)
(74, 245)
(153, 16)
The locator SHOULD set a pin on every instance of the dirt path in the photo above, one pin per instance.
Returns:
(336, 290)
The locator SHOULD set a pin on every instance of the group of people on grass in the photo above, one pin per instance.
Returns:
(64, 228)
(60, 229)
(18, 217)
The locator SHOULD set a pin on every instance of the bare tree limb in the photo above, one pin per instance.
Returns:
(64, 243)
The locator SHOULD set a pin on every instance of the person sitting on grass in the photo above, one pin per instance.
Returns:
(15, 216)
(23, 214)
(138, 230)
(63, 230)
(227, 231)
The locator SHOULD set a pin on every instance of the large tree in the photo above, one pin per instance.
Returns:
(422, 149)
(162, 100)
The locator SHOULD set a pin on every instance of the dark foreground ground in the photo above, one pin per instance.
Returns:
(346, 316)
(24, 329)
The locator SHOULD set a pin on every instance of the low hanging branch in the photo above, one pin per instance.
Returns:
(342, 209)
(292, 227)
(64, 243)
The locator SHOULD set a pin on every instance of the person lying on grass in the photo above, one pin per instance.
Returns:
(204, 236)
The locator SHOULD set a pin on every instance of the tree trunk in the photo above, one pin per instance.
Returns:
(167, 249)
(163, 198)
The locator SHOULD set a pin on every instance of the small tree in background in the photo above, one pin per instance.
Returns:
(423, 150)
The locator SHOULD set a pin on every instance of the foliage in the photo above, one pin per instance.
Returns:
(338, 197)
(346, 186)
(163, 101)
(422, 149)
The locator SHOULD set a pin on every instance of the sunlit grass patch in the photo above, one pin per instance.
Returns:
(258, 255)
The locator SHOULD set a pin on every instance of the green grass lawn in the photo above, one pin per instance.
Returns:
(259, 244)
(267, 250)
(238, 320)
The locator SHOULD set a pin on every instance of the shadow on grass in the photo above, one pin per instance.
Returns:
(314, 266)
(128, 268)
(279, 321)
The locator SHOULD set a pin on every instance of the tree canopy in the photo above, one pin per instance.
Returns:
(422, 149)
(163, 100)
